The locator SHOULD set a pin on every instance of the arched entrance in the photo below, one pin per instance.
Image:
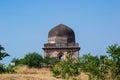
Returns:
(60, 56)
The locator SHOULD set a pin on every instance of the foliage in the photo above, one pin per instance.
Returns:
(47, 60)
(10, 69)
(16, 61)
(94, 66)
(102, 67)
(114, 53)
(2, 53)
(2, 68)
(66, 69)
(53, 61)
(33, 60)
(50, 61)
(97, 67)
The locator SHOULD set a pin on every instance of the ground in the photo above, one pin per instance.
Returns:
(25, 73)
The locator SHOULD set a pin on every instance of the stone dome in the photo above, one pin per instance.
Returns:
(62, 31)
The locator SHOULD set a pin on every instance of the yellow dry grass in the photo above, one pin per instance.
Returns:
(25, 73)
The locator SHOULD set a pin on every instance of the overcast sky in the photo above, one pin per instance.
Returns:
(24, 24)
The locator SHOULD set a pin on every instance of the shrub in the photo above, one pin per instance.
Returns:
(16, 61)
(50, 61)
(10, 69)
(33, 60)
(2, 68)
(66, 69)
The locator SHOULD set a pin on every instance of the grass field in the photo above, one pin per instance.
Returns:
(25, 73)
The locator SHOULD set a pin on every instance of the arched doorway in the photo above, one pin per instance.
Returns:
(60, 56)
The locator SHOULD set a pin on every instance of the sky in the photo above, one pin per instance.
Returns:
(24, 24)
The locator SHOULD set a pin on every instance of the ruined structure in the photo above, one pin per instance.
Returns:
(61, 41)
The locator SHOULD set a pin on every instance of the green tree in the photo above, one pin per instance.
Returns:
(94, 66)
(10, 69)
(90, 65)
(2, 68)
(17, 61)
(114, 53)
(33, 60)
(2, 53)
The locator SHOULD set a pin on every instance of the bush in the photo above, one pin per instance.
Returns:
(2, 68)
(50, 61)
(16, 61)
(66, 69)
(47, 60)
(33, 60)
(10, 69)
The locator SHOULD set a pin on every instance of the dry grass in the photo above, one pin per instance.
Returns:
(25, 73)
(25, 77)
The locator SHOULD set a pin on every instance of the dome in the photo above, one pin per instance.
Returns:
(62, 31)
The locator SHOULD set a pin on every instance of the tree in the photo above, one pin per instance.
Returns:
(90, 65)
(33, 60)
(2, 53)
(10, 69)
(114, 53)
(16, 61)
(96, 67)
(2, 68)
